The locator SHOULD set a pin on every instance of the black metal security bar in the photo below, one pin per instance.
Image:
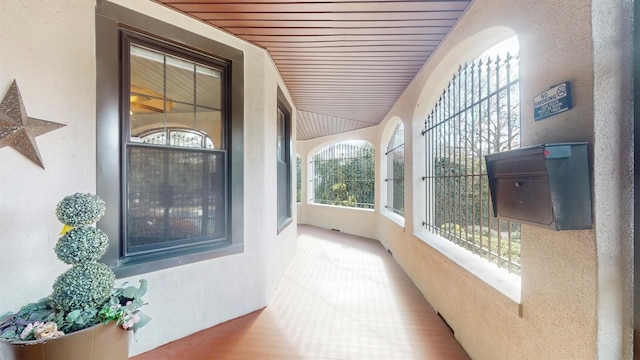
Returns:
(477, 114)
(344, 175)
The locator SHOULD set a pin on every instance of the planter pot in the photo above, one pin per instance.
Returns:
(99, 342)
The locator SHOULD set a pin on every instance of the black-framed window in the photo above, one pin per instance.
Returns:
(283, 151)
(174, 109)
(169, 143)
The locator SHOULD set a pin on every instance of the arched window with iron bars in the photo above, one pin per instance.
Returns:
(344, 175)
(477, 114)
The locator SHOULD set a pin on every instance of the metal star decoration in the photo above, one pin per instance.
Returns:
(18, 130)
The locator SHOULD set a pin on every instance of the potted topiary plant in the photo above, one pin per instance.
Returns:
(85, 317)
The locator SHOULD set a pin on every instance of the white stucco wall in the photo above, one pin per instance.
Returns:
(354, 221)
(48, 46)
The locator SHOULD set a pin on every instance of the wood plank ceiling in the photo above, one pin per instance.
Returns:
(345, 62)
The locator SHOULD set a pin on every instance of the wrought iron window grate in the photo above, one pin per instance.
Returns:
(344, 175)
(395, 171)
(477, 114)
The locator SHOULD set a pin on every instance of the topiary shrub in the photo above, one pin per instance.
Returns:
(82, 245)
(84, 285)
(80, 209)
(88, 283)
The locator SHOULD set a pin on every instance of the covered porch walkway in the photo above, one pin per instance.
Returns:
(343, 297)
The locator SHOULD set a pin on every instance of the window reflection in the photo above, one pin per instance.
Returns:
(176, 96)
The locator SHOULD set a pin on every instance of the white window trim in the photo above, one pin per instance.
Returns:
(349, 208)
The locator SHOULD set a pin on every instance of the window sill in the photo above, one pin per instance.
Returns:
(499, 279)
(348, 208)
(284, 223)
(146, 264)
(399, 220)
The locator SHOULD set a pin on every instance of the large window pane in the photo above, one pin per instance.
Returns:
(169, 92)
(174, 198)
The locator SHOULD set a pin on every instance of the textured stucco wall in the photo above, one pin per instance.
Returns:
(575, 297)
(613, 171)
(48, 46)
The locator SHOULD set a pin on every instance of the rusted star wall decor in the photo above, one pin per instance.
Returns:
(18, 130)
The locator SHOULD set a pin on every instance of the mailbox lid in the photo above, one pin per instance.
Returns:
(525, 199)
(550, 151)
(517, 181)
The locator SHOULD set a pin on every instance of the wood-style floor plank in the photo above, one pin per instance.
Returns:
(343, 297)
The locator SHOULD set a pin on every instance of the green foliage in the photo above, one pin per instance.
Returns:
(123, 307)
(12, 325)
(449, 190)
(462, 198)
(396, 197)
(79, 319)
(84, 285)
(341, 197)
(489, 244)
(80, 209)
(348, 163)
(82, 244)
(132, 292)
(463, 211)
(88, 283)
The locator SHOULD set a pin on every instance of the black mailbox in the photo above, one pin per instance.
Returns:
(544, 185)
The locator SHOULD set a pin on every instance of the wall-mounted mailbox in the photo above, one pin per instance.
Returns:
(544, 185)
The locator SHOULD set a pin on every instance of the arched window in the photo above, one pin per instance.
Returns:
(178, 137)
(477, 114)
(344, 175)
(395, 171)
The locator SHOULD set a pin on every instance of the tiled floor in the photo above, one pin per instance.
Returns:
(343, 297)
